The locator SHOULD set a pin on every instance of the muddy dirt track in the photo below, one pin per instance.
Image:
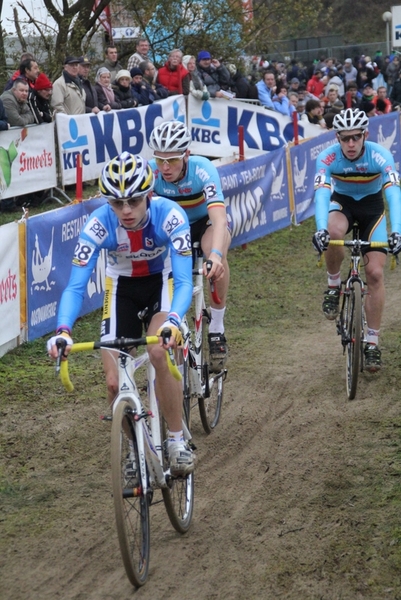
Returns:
(297, 491)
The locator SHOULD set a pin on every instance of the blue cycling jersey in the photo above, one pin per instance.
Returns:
(197, 192)
(367, 175)
(162, 244)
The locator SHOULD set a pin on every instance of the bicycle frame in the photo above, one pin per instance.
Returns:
(139, 457)
(198, 381)
(147, 423)
(351, 321)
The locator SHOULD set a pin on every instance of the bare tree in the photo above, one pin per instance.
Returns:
(75, 25)
(3, 67)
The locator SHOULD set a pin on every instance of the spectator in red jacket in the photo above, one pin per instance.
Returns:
(174, 76)
(382, 102)
(315, 84)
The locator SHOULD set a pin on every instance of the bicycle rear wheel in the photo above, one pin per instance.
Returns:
(353, 324)
(179, 495)
(213, 386)
(130, 505)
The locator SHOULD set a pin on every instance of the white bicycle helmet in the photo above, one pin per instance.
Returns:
(126, 176)
(351, 118)
(170, 136)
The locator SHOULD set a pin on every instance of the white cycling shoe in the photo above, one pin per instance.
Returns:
(182, 459)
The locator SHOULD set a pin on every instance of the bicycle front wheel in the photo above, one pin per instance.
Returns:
(179, 495)
(213, 386)
(130, 505)
(353, 323)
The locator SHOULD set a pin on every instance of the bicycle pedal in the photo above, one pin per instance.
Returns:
(106, 417)
(191, 444)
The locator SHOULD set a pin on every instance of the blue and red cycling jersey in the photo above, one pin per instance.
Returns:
(373, 171)
(163, 244)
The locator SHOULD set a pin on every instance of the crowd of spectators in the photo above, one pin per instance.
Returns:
(315, 92)
(373, 85)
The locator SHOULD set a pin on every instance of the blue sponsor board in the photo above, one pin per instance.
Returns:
(385, 130)
(303, 165)
(256, 194)
(50, 241)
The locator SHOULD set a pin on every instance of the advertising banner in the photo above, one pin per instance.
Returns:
(27, 160)
(303, 165)
(385, 130)
(50, 242)
(395, 26)
(257, 196)
(9, 283)
(214, 127)
(98, 138)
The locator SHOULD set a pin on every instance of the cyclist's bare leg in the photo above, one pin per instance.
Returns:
(168, 389)
(337, 228)
(111, 371)
(223, 283)
(374, 300)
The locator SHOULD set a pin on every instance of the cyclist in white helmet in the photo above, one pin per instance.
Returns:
(147, 243)
(194, 182)
(358, 170)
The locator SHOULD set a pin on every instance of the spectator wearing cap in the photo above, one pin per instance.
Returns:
(39, 100)
(213, 74)
(139, 90)
(111, 61)
(122, 89)
(316, 84)
(350, 71)
(105, 93)
(294, 84)
(141, 54)
(196, 86)
(241, 86)
(174, 76)
(368, 94)
(68, 93)
(15, 103)
(156, 91)
(91, 99)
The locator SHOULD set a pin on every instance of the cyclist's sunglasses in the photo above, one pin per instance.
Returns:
(132, 202)
(174, 160)
(347, 138)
